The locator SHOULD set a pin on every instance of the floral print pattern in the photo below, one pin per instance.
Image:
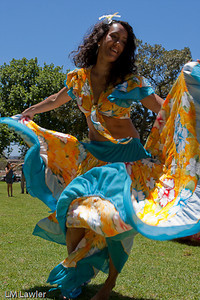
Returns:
(168, 184)
(79, 83)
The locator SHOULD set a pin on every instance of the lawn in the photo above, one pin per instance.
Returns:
(155, 270)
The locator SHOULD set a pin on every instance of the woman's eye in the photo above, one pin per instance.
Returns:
(114, 37)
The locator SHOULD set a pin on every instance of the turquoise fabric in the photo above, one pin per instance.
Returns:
(56, 235)
(68, 279)
(104, 182)
(110, 152)
(125, 99)
(34, 167)
(115, 249)
(196, 73)
(70, 93)
(192, 75)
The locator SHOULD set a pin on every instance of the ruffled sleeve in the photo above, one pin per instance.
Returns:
(73, 83)
(134, 89)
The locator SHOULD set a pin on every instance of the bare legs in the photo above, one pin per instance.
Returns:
(9, 189)
(73, 237)
(109, 284)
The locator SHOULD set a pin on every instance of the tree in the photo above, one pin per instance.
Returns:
(161, 67)
(24, 83)
(15, 82)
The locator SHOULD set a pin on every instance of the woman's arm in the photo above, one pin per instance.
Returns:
(7, 170)
(49, 103)
(15, 166)
(153, 102)
(12, 166)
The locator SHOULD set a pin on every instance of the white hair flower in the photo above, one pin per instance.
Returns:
(108, 18)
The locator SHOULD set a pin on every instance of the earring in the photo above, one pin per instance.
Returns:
(98, 45)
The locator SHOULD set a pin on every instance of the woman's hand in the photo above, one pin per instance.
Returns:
(29, 112)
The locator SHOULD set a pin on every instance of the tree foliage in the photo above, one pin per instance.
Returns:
(24, 83)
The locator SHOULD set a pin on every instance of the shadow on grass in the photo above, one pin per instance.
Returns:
(87, 293)
(188, 242)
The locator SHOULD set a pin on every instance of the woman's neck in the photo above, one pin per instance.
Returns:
(101, 69)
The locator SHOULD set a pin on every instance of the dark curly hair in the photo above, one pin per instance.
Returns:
(86, 54)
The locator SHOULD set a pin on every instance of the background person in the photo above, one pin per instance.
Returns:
(23, 181)
(10, 177)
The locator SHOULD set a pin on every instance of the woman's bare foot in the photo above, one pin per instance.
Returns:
(104, 292)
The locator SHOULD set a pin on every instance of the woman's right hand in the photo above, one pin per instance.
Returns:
(28, 113)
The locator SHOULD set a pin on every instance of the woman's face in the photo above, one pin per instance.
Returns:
(112, 45)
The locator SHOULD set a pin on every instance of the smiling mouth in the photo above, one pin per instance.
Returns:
(114, 50)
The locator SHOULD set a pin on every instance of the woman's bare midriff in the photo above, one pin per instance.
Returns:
(119, 129)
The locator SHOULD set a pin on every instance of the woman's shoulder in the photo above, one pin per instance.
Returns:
(76, 77)
(77, 72)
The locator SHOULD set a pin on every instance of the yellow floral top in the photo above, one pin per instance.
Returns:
(115, 101)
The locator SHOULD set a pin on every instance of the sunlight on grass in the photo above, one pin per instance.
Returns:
(155, 270)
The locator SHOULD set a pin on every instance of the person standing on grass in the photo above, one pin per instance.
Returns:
(10, 177)
(23, 181)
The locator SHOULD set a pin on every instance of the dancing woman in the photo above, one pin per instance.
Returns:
(106, 59)
(103, 192)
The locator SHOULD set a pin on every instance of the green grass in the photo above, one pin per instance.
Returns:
(155, 270)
